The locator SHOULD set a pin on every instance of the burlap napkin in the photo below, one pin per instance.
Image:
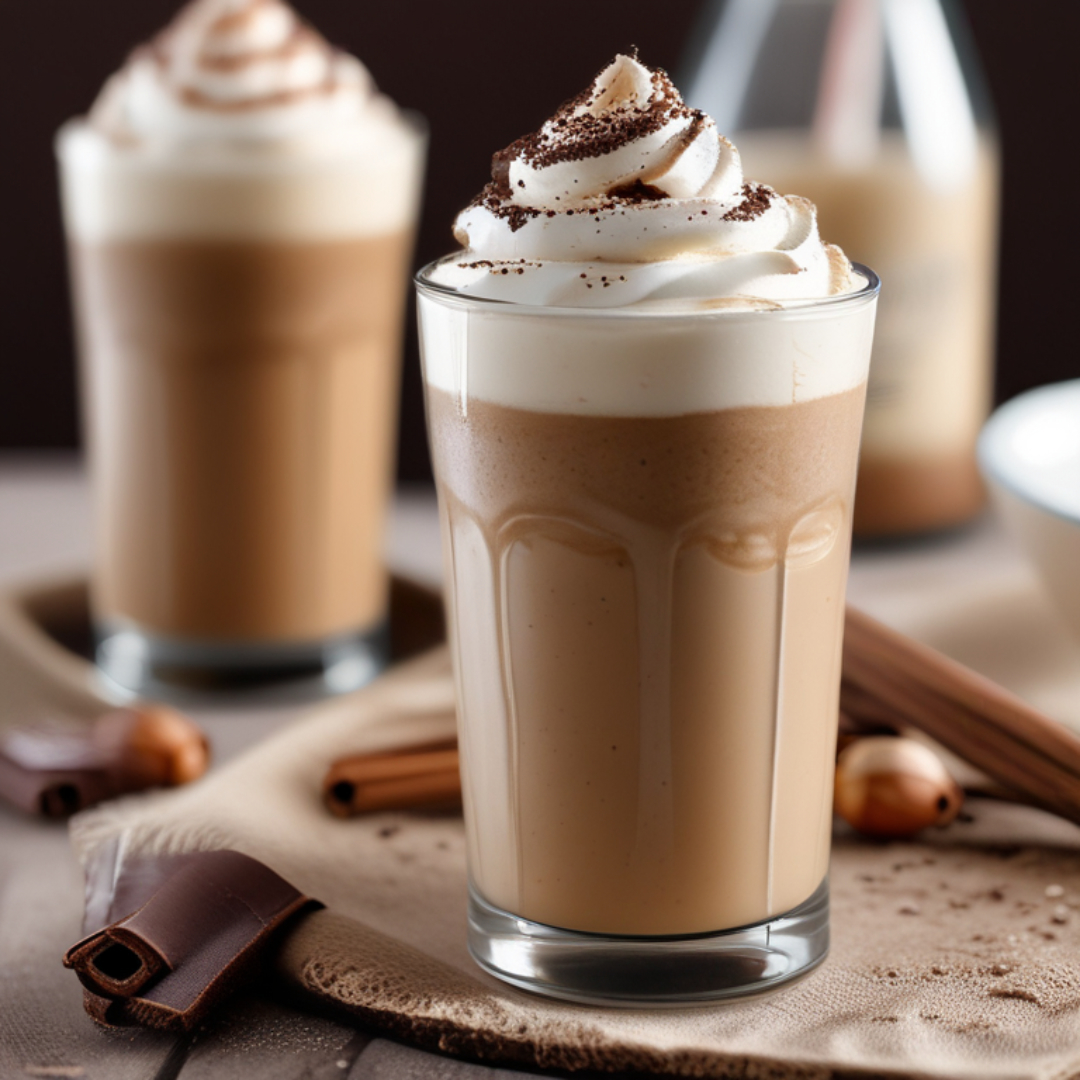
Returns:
(954, 957)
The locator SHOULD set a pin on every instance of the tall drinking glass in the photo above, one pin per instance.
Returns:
(240, 344)
(646, 521)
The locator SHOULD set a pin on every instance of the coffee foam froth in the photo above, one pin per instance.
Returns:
(645, 364)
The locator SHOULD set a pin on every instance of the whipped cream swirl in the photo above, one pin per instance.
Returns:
(239, 121)
(626, 195)
(238, 69)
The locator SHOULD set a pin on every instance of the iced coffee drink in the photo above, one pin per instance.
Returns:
(645, 381)
(240, 205)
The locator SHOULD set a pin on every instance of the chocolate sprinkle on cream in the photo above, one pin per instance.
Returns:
(497, 203)
(634, 194)
(757, 198)
(575, 136)
(637, 192)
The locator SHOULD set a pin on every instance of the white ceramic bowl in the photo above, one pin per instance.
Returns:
(1029, 454)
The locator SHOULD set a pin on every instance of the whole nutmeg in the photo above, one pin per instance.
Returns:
(889, 786)
(154, 745)
(179, 743)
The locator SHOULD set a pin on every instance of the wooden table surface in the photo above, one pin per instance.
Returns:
(942, 591)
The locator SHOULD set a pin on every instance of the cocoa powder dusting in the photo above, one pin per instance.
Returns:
(500, 206)
(571, 135)
(757, 198)
(637, 192)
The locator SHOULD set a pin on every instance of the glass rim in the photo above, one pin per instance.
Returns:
(435, 291)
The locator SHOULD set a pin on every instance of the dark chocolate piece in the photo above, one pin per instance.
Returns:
(52, 792)
(202, 927)
(58, 769)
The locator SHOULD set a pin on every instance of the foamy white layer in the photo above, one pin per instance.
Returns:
(605, 364)
(240, 121)
(626, 195)
(130, 193)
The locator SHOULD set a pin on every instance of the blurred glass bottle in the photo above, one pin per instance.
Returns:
(875, 110)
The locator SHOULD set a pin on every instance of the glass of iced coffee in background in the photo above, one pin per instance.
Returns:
(240, 207)
(875, 110)
(645, 381)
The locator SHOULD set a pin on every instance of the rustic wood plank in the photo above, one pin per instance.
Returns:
(43, 1029)
(385, 1060)
(261, 1038)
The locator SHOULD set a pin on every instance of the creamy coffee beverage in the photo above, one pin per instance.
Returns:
(930, 387)
(655, 767)
(645, 383)
(248, 393)
(240, 206)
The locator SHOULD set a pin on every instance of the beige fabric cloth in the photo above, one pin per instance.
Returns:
(955, 957)
(41, 682)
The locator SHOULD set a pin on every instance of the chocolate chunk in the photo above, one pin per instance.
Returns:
(58, 770)
(500, 172)
(50, 782)
(202, 921)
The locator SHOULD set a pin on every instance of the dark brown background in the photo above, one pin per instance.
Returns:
(484, 72)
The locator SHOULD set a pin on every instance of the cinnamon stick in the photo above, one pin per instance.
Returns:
(889, 678)
(415, 777)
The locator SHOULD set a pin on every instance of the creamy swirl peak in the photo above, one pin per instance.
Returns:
(627, 195)
(630, 136)
(236, 69)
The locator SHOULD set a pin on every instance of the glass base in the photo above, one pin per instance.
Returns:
(134, 662)
(595, 969)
